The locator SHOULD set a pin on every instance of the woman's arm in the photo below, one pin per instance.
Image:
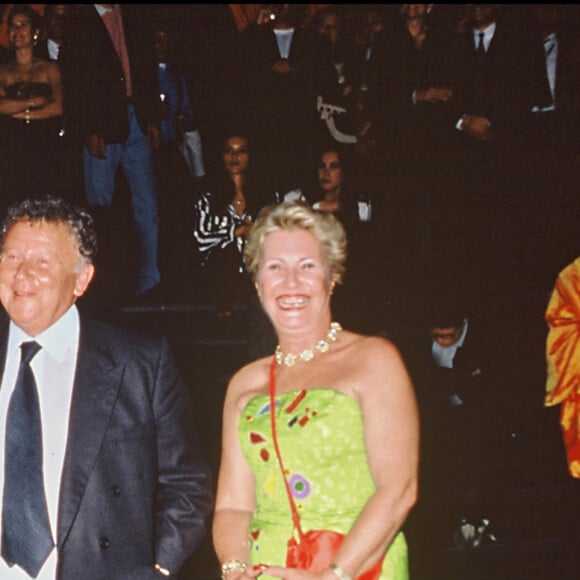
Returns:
(10, 106)
(391, 423)
(235, 499)
(385, 393)
(40, 107)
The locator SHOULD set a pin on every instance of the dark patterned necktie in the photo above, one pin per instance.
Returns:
(26, 536)
(479, 103)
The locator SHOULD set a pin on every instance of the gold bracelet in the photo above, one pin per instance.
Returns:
(27, 116)
(232, 565)
(340, 573)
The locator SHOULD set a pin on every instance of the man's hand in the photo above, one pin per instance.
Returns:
(96, 146)
(478, 127)
(433, 95)
(282, 67)
(153, 135)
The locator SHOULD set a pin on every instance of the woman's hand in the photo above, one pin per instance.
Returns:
(294, 574)
(244, 229)
(249, 572)
(37, 102)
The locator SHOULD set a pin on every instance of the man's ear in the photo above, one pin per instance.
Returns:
(84, 278)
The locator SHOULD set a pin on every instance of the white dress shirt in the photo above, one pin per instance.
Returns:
(284, 41)
(53, 49)
(54, 368)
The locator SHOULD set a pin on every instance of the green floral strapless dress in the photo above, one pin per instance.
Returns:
(321, 439)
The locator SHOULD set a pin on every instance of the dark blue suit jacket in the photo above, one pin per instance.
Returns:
(134, 488)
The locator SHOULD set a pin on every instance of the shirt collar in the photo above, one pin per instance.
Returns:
(53, 49)
(488, 33)
(55, 340)
(103, 10)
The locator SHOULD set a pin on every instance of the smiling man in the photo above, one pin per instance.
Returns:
(100, 471)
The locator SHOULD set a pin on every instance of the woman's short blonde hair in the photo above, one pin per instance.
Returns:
(297, 215)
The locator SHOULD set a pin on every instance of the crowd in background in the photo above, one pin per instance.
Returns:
(464, 176)
(445, 137)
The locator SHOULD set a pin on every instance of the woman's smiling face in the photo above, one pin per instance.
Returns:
(294, 281)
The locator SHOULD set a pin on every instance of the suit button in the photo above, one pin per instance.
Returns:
(104, 543)
(115, 491)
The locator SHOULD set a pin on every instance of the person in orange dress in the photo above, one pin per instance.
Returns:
(563, 360)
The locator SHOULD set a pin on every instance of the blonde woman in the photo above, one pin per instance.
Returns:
(345, 414)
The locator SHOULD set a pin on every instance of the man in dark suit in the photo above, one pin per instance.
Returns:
(454, 372)
(285, 67)
(496, 77)
(112, 106)
(554, 149)
(122, 481)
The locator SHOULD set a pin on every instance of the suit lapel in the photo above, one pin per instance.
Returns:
(97, 381)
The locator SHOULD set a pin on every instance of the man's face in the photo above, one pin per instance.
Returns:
(415, 11)
(330, 27)
(482, 14)
(55, 24)
(446, 336)
(41, 274)
(162, 46)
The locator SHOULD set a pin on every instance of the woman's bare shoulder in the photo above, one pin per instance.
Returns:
(369, 347)
(371, 361)
(50, 69)
(250, 380)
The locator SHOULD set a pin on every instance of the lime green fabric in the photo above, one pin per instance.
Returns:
(321, 439)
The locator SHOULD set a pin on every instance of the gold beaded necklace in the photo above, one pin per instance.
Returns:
(307, 354)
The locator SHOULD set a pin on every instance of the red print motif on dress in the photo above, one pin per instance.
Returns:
(256, 438)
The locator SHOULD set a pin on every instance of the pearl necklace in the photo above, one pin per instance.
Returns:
(307, 354)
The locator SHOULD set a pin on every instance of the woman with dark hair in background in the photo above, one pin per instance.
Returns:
(223, 215)
(335, 191)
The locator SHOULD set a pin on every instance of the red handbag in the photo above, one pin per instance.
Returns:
(314, 550)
